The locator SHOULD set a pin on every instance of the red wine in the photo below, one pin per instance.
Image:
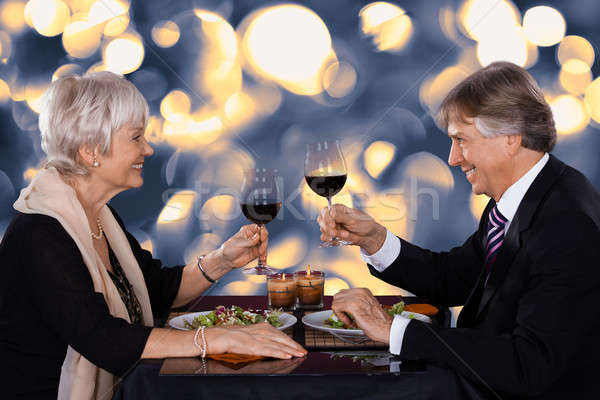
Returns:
(261, 211)
(326, 186)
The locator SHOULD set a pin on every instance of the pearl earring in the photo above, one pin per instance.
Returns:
(95, 164)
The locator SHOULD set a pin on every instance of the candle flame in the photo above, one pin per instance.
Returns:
(308, 270)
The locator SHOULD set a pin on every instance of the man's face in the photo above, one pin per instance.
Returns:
(485, 161)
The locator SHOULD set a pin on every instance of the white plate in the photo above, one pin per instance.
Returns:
(177, 322)
(317, 321)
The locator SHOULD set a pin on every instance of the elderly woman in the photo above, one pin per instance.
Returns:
(77, 290)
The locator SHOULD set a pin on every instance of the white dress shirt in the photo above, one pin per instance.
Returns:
(384, 257)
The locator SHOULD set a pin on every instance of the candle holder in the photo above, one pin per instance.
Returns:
(309, 288)
(281, 291)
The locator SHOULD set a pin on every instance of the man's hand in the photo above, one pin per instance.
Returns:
(353, 226)
(366, 311)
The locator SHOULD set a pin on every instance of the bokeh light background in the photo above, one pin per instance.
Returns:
(239, 84)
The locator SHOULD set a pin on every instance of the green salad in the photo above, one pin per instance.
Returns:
(234, 315)
(334, 322)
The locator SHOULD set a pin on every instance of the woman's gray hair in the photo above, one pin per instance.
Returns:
(86, 110)
(502, 99)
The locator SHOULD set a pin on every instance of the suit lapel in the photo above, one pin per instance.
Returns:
(521, 222)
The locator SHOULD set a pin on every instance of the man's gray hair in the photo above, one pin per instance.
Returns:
(502, 99)
(86, 110)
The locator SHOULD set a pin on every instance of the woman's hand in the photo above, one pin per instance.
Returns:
(247, 244)
(257, 339)
(353, 226)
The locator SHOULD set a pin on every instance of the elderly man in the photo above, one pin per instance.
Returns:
(528, 277)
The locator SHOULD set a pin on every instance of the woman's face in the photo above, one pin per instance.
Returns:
(122, 167)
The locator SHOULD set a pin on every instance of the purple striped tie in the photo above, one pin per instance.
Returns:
(495, 236)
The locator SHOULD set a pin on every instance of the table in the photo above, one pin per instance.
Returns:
(320, 374)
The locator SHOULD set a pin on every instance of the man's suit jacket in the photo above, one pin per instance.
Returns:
(534, 328)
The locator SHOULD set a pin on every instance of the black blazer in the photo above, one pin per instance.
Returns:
(533, 330)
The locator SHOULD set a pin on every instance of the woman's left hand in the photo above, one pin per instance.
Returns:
(247, 244)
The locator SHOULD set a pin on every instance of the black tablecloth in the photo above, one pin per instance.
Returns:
(413, 380)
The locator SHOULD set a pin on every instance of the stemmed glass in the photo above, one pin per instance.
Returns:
(325, 172)
(260, 202)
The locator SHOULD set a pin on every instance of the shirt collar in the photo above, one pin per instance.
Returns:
(510, 200)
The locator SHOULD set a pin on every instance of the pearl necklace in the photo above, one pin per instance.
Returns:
(100, 231)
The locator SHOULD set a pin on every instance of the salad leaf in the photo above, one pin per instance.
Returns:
(396, 309)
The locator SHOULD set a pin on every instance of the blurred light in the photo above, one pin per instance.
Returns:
(570, 115)
(592, 100)
(287, 251)
(220, 74)
(544, 26)
(81, 38)
(5, 46)
(97, 67)
(575, 47)
(575, 76)
(334, 285)
(448, 22)
(66, 70)
(33, 96)
(509, 46)
(165, 33)
(124, 54)
(339, 79)
(12, 16)
(178, 208)
(147, 245)
(288, 44)
(429, 168)
(266, 98)
(477, 204)
(4, 91)
(239, 109)
(17, 90)
(49, 17)
(30, 173)
(203, 244)
(154, 129)
(193, 131)
(485, 19)
(239, 288)
(387, 24)
(221, 208)
(351, 272)
(378, 156)
(433, 91)
(80, 5)
(105, 10)
(532, 55)
(175, 106)
(117, 25)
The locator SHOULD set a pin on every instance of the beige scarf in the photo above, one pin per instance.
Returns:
(49, 195)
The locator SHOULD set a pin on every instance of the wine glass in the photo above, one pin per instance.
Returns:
(325, 172)
(260, 202)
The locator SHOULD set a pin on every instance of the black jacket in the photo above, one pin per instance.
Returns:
(533, 330)
(47, 301)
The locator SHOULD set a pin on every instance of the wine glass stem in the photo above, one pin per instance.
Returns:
(329, 208)
(260, 262)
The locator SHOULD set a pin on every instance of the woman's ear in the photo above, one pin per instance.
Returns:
(88, 155)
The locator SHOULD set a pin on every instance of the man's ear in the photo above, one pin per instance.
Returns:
(513, 143)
